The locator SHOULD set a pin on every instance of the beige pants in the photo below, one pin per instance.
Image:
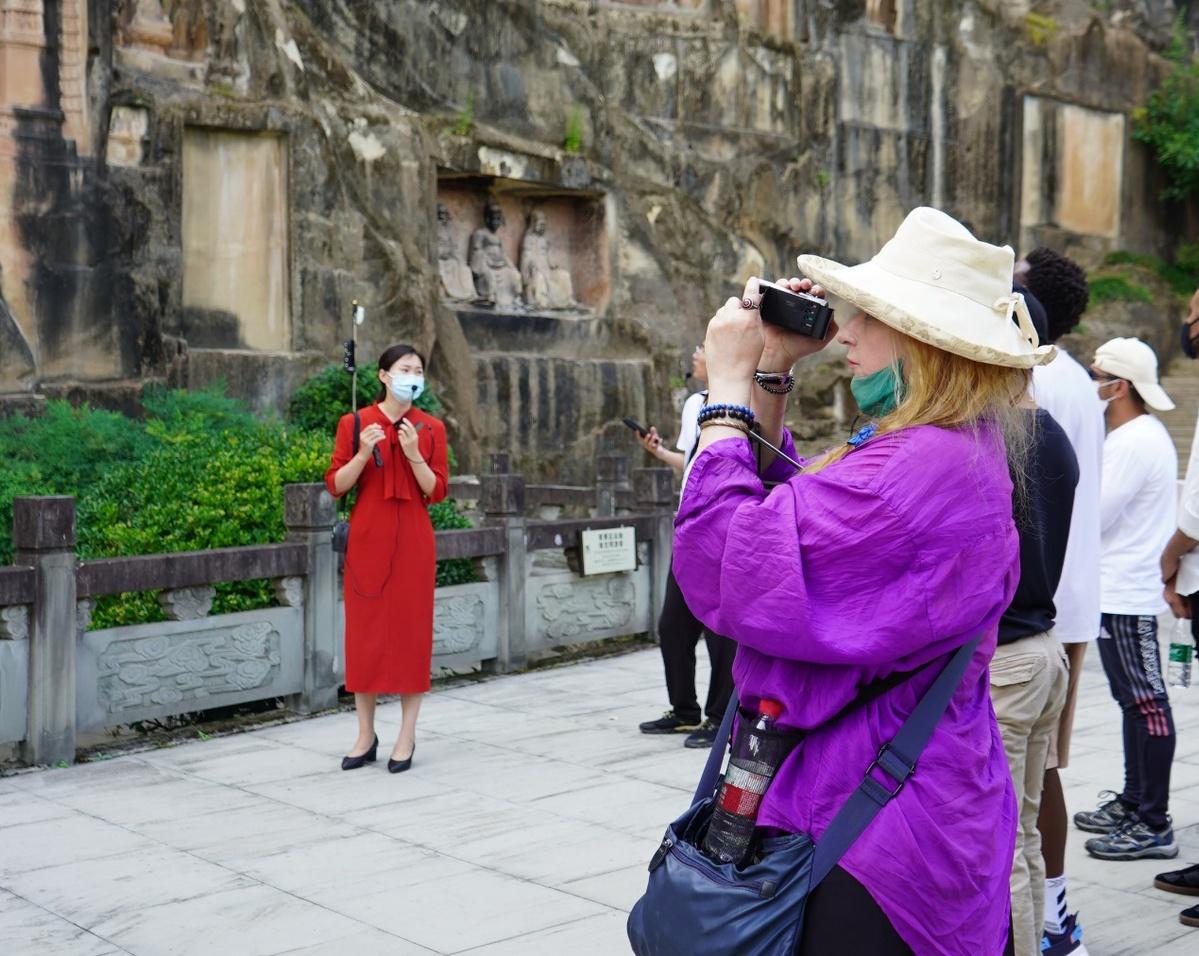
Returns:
(1028, 689)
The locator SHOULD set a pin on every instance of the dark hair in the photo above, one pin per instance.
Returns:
(390, 357)
(1061, 286)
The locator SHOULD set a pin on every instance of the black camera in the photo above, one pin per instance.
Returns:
(794, 311)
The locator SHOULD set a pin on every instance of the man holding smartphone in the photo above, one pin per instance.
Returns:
(678, 629)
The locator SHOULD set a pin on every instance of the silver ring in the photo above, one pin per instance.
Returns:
(748, 304)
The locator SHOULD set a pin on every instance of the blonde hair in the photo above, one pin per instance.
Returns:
(949, 391)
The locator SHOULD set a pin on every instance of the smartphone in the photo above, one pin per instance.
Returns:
(632, 423)
(794, 311)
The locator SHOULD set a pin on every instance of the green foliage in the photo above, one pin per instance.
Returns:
(1182, 275)
(822, 178)
(466, 117)
(1169, 121)
(1039, 28)
(572, 141)
(1116, 288)
(445, 516)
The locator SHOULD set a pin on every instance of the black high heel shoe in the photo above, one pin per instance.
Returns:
(353, 763)
(399, 766)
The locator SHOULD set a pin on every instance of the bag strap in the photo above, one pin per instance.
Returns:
(343, 503)
(893, 759)
(897, 759)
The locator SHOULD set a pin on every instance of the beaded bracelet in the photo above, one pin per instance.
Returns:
(727, 422)
(776, 383)
(722, 410)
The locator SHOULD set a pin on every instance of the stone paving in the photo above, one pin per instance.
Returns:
(524, 828)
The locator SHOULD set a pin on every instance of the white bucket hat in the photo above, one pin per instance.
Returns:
(935, 282)
(1134, 361)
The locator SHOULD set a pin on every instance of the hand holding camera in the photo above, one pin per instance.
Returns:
(785, 346)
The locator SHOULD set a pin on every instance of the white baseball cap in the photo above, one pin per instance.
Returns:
(1134, 361)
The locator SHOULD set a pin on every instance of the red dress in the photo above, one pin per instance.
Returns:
(391, 561)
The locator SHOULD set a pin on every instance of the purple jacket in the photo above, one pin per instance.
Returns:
(885, 561)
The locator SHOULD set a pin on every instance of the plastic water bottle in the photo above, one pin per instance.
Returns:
(758, 751)
(1182, 649)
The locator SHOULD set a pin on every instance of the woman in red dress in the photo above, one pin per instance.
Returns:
(390, 569)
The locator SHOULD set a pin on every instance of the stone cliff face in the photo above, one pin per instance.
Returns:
(197, 190)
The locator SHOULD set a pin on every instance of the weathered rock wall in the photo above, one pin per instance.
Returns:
(197, 190)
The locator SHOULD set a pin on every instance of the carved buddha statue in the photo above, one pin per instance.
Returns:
(546, 286)
(456, 280)
(497, 280)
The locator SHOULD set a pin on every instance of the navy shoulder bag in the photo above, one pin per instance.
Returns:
(695, 907)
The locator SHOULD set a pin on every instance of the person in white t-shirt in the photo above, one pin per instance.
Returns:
(1064, 389)
(1180, 575)
(678, 629)
(1137, 518)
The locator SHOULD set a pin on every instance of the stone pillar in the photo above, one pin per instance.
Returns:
(309, 512)
(43, 536)
(502, 501)
(654, 488)
(611, 475)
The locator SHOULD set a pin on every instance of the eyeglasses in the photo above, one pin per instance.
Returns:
(1097, 377)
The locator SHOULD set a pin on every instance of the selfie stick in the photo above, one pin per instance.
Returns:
(778, 451)
(349, 360)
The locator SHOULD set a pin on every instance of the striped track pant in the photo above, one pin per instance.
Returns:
(1132, 661)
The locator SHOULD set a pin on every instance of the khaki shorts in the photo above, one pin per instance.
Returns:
(1059, 744)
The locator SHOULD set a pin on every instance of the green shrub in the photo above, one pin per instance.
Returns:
(321, 400)
(572, 140)
(1116, 288)
(1169, 121)
(446, 516)
(1182, 275)
(61, 452)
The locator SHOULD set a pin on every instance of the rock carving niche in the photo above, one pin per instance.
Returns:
(236, 286)
(169, 40)
(1072, 169)
(521, 249)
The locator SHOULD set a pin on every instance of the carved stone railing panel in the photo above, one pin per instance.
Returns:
(465, 625)
(14, 687)
(187, 604)
(289, 592)
(152, 671)
(563, 608)
(14, 623)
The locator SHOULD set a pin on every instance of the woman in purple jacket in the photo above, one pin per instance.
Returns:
(879, 558)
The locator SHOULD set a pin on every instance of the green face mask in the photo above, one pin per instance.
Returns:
(879, 393)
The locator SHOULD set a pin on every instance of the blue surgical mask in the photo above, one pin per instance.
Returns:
(406, 387)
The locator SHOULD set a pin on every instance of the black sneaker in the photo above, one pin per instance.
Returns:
(703, 738)
(1185, 881)
(1134, 841)
(1110, 815)
(670, 723)
(1189, 917)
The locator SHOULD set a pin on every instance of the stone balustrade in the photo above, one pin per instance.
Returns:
(59, 679)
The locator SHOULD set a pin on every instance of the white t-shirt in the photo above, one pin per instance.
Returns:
(1188, 521)
(1136, 515)
(689, 432)
(1064, 389)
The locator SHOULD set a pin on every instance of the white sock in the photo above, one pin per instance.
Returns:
(1056, 910)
